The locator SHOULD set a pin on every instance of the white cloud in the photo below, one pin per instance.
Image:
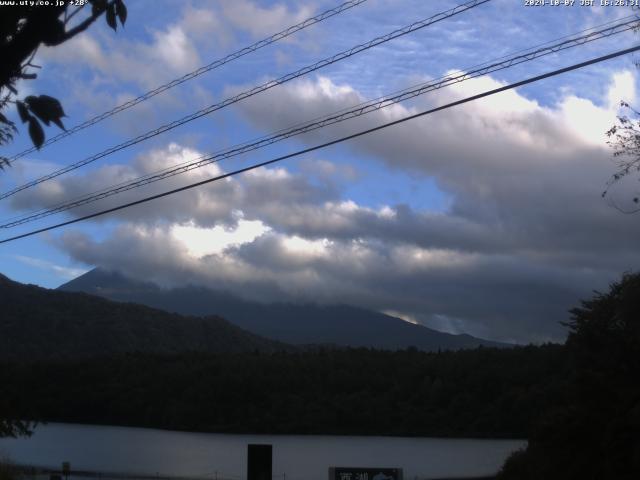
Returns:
(174, 49)
(205, 25)
(261, 21)
(306, 248)
(66, 273)
(200, 242)
(622, 88)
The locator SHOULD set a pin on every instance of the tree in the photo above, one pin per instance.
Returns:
(15, 428)
(625, 140)
(23, 28)
(596, 433)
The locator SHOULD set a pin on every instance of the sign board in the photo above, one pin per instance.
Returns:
(364, 473)
(259, 462)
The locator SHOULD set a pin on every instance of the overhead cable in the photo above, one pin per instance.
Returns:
(251, 92)
(352, 112)
(327, 144)
(196, 73)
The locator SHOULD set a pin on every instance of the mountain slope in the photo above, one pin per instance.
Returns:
(39, 323)
(298, 324)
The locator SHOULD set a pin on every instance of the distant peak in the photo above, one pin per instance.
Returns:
(5, 279)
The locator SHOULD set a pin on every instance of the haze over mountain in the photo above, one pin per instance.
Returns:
(340, 325)
(37, 323)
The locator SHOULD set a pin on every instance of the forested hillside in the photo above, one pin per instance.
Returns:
(36, 323)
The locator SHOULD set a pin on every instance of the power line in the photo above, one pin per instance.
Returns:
(207, 68)
(345, 114)
(254, 91)
(330, 143)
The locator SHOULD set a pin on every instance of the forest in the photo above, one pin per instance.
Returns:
(470, 393)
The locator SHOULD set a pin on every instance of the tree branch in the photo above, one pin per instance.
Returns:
(68, 18)
(82, 26)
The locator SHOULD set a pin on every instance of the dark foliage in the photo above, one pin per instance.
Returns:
(15, 428)
(473, 393)
(37, 323)
(23, 28)
(597, 434)
(8, 471)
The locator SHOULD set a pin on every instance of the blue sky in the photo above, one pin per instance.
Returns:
(462, 221)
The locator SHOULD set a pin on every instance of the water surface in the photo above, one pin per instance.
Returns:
(148, 451)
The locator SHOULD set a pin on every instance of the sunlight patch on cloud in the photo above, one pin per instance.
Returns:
(499, 104)
(300, 246)
(387, 212)
(277, 173)
(200, 242)
(414, 258)
(585, 120)
(623, 87)
(402, 316)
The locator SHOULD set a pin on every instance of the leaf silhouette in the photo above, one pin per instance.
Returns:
(121, 11)
(46, 108)
(111, 17)
(36, 133)
(23, 111)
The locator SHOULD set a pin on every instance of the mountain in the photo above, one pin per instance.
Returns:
(37, 323)
(295, 324)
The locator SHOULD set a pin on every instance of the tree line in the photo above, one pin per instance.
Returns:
(471, 393)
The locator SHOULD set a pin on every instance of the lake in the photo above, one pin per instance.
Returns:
(300, 457)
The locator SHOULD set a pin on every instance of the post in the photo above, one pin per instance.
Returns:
(259, 462)
(66, 469)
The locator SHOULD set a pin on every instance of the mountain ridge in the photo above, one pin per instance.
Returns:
(38, 323)
(298, 324)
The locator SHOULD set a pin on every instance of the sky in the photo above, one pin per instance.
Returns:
(485, 218)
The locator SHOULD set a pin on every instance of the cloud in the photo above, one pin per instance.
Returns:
(496, 296)
(526, 234)
(258, 192)
(66, 273)
(532, 173)
(261, 21)
(208, 241)
(143, 63)
(205, 24)
(107, 69)
(159, 54)
(175, 50)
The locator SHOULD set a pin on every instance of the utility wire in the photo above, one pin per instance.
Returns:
(353, 112)
(330, 143)
(57, 208)
(207, 68)
(249, 93)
